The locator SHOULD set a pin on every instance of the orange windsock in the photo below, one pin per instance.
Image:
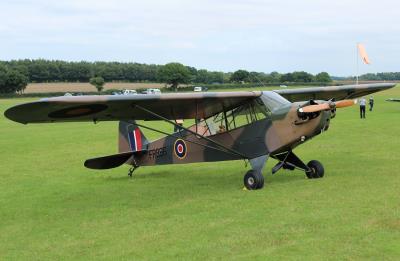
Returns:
(363, 53)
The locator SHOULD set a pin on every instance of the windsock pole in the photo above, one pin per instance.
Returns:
(357, 63)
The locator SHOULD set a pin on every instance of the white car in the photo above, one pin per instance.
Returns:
(152, 91)
(129, 92)
(200, 89)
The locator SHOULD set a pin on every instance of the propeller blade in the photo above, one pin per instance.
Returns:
(315, 108)
(344, 103)
(327, 106)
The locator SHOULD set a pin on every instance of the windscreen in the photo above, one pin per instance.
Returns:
(273, 100)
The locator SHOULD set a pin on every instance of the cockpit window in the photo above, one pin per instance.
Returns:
(273, 100)
(250, 112)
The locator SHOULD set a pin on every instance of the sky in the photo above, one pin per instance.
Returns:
(221, 35)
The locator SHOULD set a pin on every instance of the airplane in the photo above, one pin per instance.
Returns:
(250, 125)
(393, 100)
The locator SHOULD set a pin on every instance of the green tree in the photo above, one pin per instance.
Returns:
(3, 78)
(227, 77)
(275, 77)
(240, 76)
(174, 74)
(302, 77)
(97, 82)
(216, 77)
(287, 77)
(202, 76)
(259, 77)
(193, 73)
(323, 77)
(297, 77)
(12, 81)
(16, 81)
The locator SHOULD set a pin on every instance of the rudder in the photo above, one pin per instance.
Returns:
(131, 138)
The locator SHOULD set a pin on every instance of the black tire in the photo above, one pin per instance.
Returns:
(260, 180)
(253, 180)
(316, 170)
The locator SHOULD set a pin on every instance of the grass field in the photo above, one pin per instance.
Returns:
(52, 208)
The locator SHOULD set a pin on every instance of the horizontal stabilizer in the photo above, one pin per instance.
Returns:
(109, 162)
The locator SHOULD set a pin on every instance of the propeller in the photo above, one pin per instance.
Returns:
(327, 106)
(345, 103)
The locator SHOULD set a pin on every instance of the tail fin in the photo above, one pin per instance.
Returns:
(131, 138)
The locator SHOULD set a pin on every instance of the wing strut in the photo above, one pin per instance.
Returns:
(177, 137)
(192, 132)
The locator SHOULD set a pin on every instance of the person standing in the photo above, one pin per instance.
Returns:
(371, 103)
(362, 107)
(179, 122)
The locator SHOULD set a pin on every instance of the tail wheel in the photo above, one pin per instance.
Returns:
(316, 170)
(253, 180)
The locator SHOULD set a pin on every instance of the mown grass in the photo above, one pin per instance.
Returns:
(52, 208)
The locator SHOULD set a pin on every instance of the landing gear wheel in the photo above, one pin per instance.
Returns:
(253, 180)
(316, 170)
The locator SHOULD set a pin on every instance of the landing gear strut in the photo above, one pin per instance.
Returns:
(131, 170)
(288, 160)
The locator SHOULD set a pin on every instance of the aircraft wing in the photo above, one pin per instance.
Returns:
(127, 107)
(336, 92)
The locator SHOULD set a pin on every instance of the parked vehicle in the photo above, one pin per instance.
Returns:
(129, 92)
(152, 91)
(200, 89)
(74, 94)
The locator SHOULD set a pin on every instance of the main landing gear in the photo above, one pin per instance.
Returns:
(316, 170)
(254, 178)
(288, 160)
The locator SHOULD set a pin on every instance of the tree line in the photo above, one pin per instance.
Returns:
(384, 76)
(15, 74)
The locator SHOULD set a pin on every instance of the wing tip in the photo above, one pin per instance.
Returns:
(12, 115)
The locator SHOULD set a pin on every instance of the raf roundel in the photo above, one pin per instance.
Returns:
(180, 149)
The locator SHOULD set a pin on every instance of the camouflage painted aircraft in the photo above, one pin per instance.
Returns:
(253, 125)
(393, 100)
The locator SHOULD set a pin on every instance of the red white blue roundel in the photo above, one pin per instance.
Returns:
(180, 149)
